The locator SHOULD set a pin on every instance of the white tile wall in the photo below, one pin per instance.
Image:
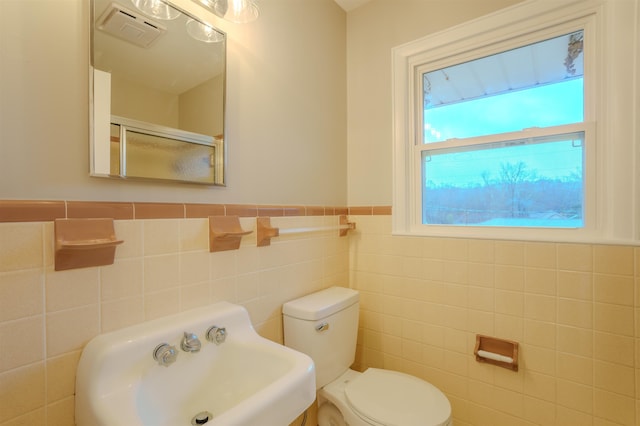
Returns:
(574, 309)
(164, 266)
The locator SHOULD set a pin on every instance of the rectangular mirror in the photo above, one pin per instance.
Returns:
(157, 93)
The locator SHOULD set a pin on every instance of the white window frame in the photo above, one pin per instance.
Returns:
(611, 49)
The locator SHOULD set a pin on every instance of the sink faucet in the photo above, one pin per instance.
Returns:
(216, 334)
(190, 343)
(165, 354)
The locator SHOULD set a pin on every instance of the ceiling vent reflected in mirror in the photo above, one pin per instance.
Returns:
(129, 26)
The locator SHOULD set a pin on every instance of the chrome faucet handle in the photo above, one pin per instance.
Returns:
(190, 343)
(216, 334)
(165, 354)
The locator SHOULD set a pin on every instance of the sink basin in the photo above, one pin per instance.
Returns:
(244, 380)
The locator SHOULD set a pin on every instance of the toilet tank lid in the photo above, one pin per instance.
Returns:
(321, 304)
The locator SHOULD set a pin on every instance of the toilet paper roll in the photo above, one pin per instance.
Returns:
(495, 357)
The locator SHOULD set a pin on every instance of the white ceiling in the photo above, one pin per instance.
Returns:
(348, 5)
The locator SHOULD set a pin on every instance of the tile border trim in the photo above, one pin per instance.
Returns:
(45, 211)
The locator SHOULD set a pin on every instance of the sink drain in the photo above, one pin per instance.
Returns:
(201, 418)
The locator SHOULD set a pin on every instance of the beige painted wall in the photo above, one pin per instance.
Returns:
(286, 107)
(132, 100)
(199, 112)
(372, 31)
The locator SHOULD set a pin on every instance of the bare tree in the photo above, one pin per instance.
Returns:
(511, 176)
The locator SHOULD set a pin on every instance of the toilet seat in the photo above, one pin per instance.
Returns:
(389, 398)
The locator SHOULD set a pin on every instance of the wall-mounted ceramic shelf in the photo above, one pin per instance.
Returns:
(500, 352)
(265, 231)
(82, 243)
(225, 233)
(346, 226)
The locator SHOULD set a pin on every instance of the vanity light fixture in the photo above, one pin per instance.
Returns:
(236, 11)
(161, 10)
(203, 32)
(157, 9)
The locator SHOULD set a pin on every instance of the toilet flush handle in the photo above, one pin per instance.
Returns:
(324, 326)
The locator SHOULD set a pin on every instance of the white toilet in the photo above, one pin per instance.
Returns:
(324, 325)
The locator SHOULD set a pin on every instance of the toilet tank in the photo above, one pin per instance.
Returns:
(324, 325)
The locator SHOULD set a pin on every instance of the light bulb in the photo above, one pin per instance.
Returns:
(242, 11)
(237, 11)
(156, 9)
(203, 32)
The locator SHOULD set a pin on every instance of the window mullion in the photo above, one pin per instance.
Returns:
(534, 132)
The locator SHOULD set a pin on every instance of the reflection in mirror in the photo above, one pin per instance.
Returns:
(158, 93)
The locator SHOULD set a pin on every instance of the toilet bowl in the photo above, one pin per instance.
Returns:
(382, 398)
(324, 326)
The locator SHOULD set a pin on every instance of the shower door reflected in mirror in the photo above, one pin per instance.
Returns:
(158, 94)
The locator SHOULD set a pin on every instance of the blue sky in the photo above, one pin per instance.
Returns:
(540, 106)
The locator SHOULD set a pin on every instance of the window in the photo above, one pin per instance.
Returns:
(534, 182)
(502, 127)
(479, 168)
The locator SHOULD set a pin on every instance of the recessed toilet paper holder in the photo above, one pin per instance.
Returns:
(500, 352)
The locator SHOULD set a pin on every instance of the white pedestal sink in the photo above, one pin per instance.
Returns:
(246, 380)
